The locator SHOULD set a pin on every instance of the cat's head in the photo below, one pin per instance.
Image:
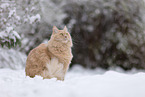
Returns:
(61, 36)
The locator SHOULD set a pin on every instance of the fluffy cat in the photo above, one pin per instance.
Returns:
(51, 59)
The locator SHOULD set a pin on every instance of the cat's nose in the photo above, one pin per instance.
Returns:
(65, 37)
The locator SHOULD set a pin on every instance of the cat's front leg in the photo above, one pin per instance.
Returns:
(65, 69)
(59, 73)
(47, 77)
(60, 78)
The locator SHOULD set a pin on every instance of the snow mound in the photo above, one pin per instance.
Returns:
(79, 82)
(11, 58)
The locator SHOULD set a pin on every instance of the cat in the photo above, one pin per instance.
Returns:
(51, 59)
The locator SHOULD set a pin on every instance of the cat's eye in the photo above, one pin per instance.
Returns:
(61, 34)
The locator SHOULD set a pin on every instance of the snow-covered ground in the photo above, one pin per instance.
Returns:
(79, 82)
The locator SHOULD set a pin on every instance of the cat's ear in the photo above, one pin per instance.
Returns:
(65, 29)
(55, 29)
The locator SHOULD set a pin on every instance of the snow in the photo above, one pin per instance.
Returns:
(79, 82)
(9, 29)
(34, 18)
(9, 32)
(16, 34)
(4, 5)
(11, 58)
(12, 12)
(3, 34)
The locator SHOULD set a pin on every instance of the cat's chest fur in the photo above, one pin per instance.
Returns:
(55, 68)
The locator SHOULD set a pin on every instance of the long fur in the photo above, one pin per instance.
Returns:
(51, 59)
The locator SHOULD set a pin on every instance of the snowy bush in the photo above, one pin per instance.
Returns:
(107, 32)
(52, 13)
(8, 21)
(14, 16)
(14, 13)
(10, 58)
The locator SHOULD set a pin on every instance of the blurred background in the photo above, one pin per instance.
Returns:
(106, 33)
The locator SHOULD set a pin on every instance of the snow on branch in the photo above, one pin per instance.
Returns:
(14, 13)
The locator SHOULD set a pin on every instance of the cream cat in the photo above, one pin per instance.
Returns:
(51, 59)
